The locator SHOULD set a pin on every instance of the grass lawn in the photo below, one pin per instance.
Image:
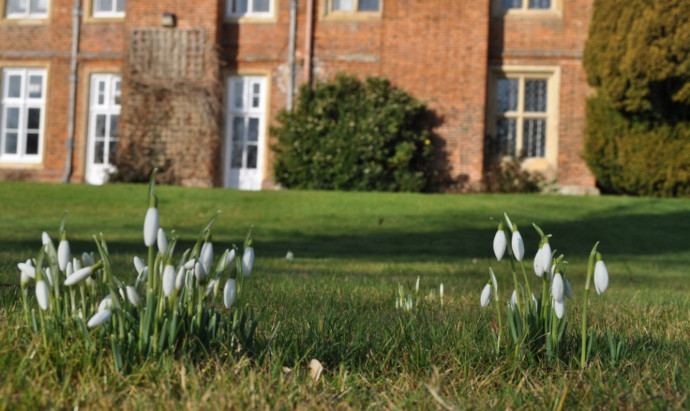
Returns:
(335, 300)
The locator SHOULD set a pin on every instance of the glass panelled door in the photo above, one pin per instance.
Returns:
(244, 136)
(104, 117)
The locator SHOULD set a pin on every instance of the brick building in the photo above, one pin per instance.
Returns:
(501, 72)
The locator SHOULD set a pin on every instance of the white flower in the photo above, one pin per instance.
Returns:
(546, 257)
(211, 286)
(538, 269)
(557, 287)
(494, 282)
(42, 294)
(247, 261)
(229, 292)
(63, 252)
(513, 300)
(486, 295)
(168, 279)
(78, 276)
(601, 277)
(559, 307)
(206, 256)
(440, 290)
(416, 285)
(162, 241)
(518, 246)
(99, 318)
(87, 259)
(289, 256)
(189, 264)
(45, 238)
(106, 303)
(199, 272)
(139, 264)
(24, 279)
(133, 296)
(180, 277)
(151, 226)
(500, 243)
(69, 270)
(27, 269)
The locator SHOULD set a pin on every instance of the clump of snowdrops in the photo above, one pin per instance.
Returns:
(537, 323)
(409, 302)
(184, 304)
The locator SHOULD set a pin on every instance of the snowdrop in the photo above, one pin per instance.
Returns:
(557, 287)
(517, 245)
(485, 298)
(229, 292)
(132, 296)
(27, 269)
(168, 279)
(79, 275)
(206, 256)
(559, 308)
(151, 225)
(162, 241)
(139, 264)
(42, 294)
(500, 242)
(247, 261)
(601, 276)
(63, 252)
(99, 318)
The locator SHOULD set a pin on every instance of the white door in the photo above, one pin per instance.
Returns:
(245, 130)
(104, 117)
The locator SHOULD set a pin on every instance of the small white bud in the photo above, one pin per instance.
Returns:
(42, 294)
(486, 295)
(247, 261)
(87, 259)
(546, 257)
(168, 280)
(538, 268)
(180, 277)
(500, 243)
(559, 308)
(229, 292)
(139, 264)
(151, 224)
(206, 256)
(162, 241)
(133, 296)
(106, 303)
(601, 277)
(99, 318)
(45, 238)
(199, 272)
(518, 246)
(79, 276)
(63, 252)
(557, 287)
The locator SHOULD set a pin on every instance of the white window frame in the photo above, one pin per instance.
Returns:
(552, 77)
(23, 103)
(229, 13)
(355, 8)
(28, 14)
(113, 13)
(109, 107)
(499, 10)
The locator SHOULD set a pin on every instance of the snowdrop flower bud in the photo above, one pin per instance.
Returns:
(199, 272)
(139, 264)
(151, 225)
(211, 286)
(559, 307)
(486, 295)
(601, 275)
(518, 245)
(99, 318)
(180, 277)
(76, 265)
(27, 269)
(24, 279)
(546, 257)
(557, 287)
(538, 269)
(63, 252)
(133, 296)
(79, 276)
(162, 241)
(168, 279)
(189, 264)
(69, 270)
(494, 282)
(289, 256)
(229, 292)
(247, 261)
(106, 303)
(416, 285)
(568, 291)
(42, 294)
(230, 257)
(87, 259)
(206, 256)
(45, 238)
(500, 242)
(513, 300)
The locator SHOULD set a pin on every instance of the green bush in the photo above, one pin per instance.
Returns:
(637, 56)
(354, 135)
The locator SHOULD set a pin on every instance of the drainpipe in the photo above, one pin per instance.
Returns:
(308, 42)
(291, 53)
(76, 13)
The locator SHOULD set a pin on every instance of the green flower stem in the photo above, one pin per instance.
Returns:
(544, 303)
(529, 290)
(515, 281)
(590, 273)
(500, 325)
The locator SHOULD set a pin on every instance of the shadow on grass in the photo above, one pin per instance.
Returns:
(619, 235)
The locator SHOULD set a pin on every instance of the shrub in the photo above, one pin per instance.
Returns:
(354, 135)
(508, 176)
(637, 139)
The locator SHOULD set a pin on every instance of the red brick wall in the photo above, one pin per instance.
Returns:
(553, 40)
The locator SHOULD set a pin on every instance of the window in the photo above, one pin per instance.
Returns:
(21, 114)
(249, 8)
(104, 116)
(507, 6)
(523, 114)
(108, 8)
(356, 5)
(18, 9)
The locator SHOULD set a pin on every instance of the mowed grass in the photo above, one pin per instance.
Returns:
(335, 301)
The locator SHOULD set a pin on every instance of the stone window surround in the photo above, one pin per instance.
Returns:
(552, 74)
(329, 14)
